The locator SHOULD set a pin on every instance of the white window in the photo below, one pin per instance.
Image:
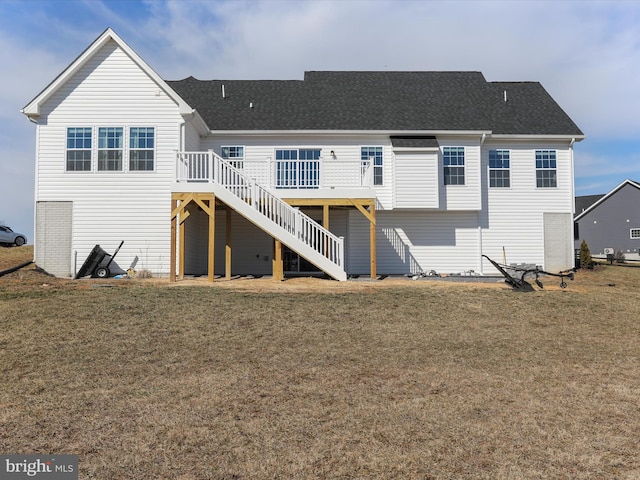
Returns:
(110, 143)
(546, 174)
(141, 148)
(499, 165)
(234, 154)
(298, 168)
(78, 149)
(373, 155)
(453, 160)
(635, 233)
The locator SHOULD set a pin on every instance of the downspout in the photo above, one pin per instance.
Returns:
(35, 186)
(571, 161)
(572, 200)
(482, 140)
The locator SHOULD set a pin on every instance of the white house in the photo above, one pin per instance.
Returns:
(349, 173)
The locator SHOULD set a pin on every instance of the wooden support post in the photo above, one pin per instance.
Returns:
(278, 264)
(325, 224)
(212, 238)
(227, 250)
(325, 216)
(174, 232)
(183, 212)
(372, 240)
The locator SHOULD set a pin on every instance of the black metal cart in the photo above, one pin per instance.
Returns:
(92, 265)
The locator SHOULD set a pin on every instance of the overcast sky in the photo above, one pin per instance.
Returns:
(586, 54)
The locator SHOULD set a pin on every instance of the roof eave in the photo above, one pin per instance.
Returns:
(478, 133)
(516, 136)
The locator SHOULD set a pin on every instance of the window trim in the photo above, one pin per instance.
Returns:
(94, 150)
(636, 231)
(457, 166)
(237, 162)
(506, 169)
(127, 160)
(121, 149)
(376, 168)
(549, 169)
(90, 150)
(298, 178)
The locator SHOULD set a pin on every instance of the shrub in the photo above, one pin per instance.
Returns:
(619, 256)
(585, 256)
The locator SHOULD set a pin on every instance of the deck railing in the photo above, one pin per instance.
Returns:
(209, 167)
(283, 174)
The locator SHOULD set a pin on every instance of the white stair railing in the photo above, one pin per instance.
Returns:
(210, 167)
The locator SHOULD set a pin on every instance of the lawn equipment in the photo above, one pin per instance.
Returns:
(92, 265)
(517, 278)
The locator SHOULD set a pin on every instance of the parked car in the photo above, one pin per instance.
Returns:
(9, 237)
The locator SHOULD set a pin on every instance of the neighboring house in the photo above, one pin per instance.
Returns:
(612, 221)
(350, 173)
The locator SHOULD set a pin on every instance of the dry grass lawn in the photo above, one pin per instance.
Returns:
(253, 379)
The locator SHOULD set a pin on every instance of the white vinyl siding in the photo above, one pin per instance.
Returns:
(416, 180)
(512, 219)
(467, 196)
(191, 139)
(412, 241)
(112, 90)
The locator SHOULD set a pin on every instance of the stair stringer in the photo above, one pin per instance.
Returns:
(276, 231)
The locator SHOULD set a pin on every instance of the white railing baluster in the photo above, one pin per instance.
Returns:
(211, 165)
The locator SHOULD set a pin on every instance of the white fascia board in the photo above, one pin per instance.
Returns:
(477, 133)
(603, 199)
(32, 109)
(502, 136)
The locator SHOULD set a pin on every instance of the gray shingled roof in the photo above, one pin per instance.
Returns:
(388, 101)
(585, 201)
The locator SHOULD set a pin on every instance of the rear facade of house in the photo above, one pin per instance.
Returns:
(347, 173)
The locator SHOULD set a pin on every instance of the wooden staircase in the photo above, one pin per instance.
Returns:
(265, 210)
